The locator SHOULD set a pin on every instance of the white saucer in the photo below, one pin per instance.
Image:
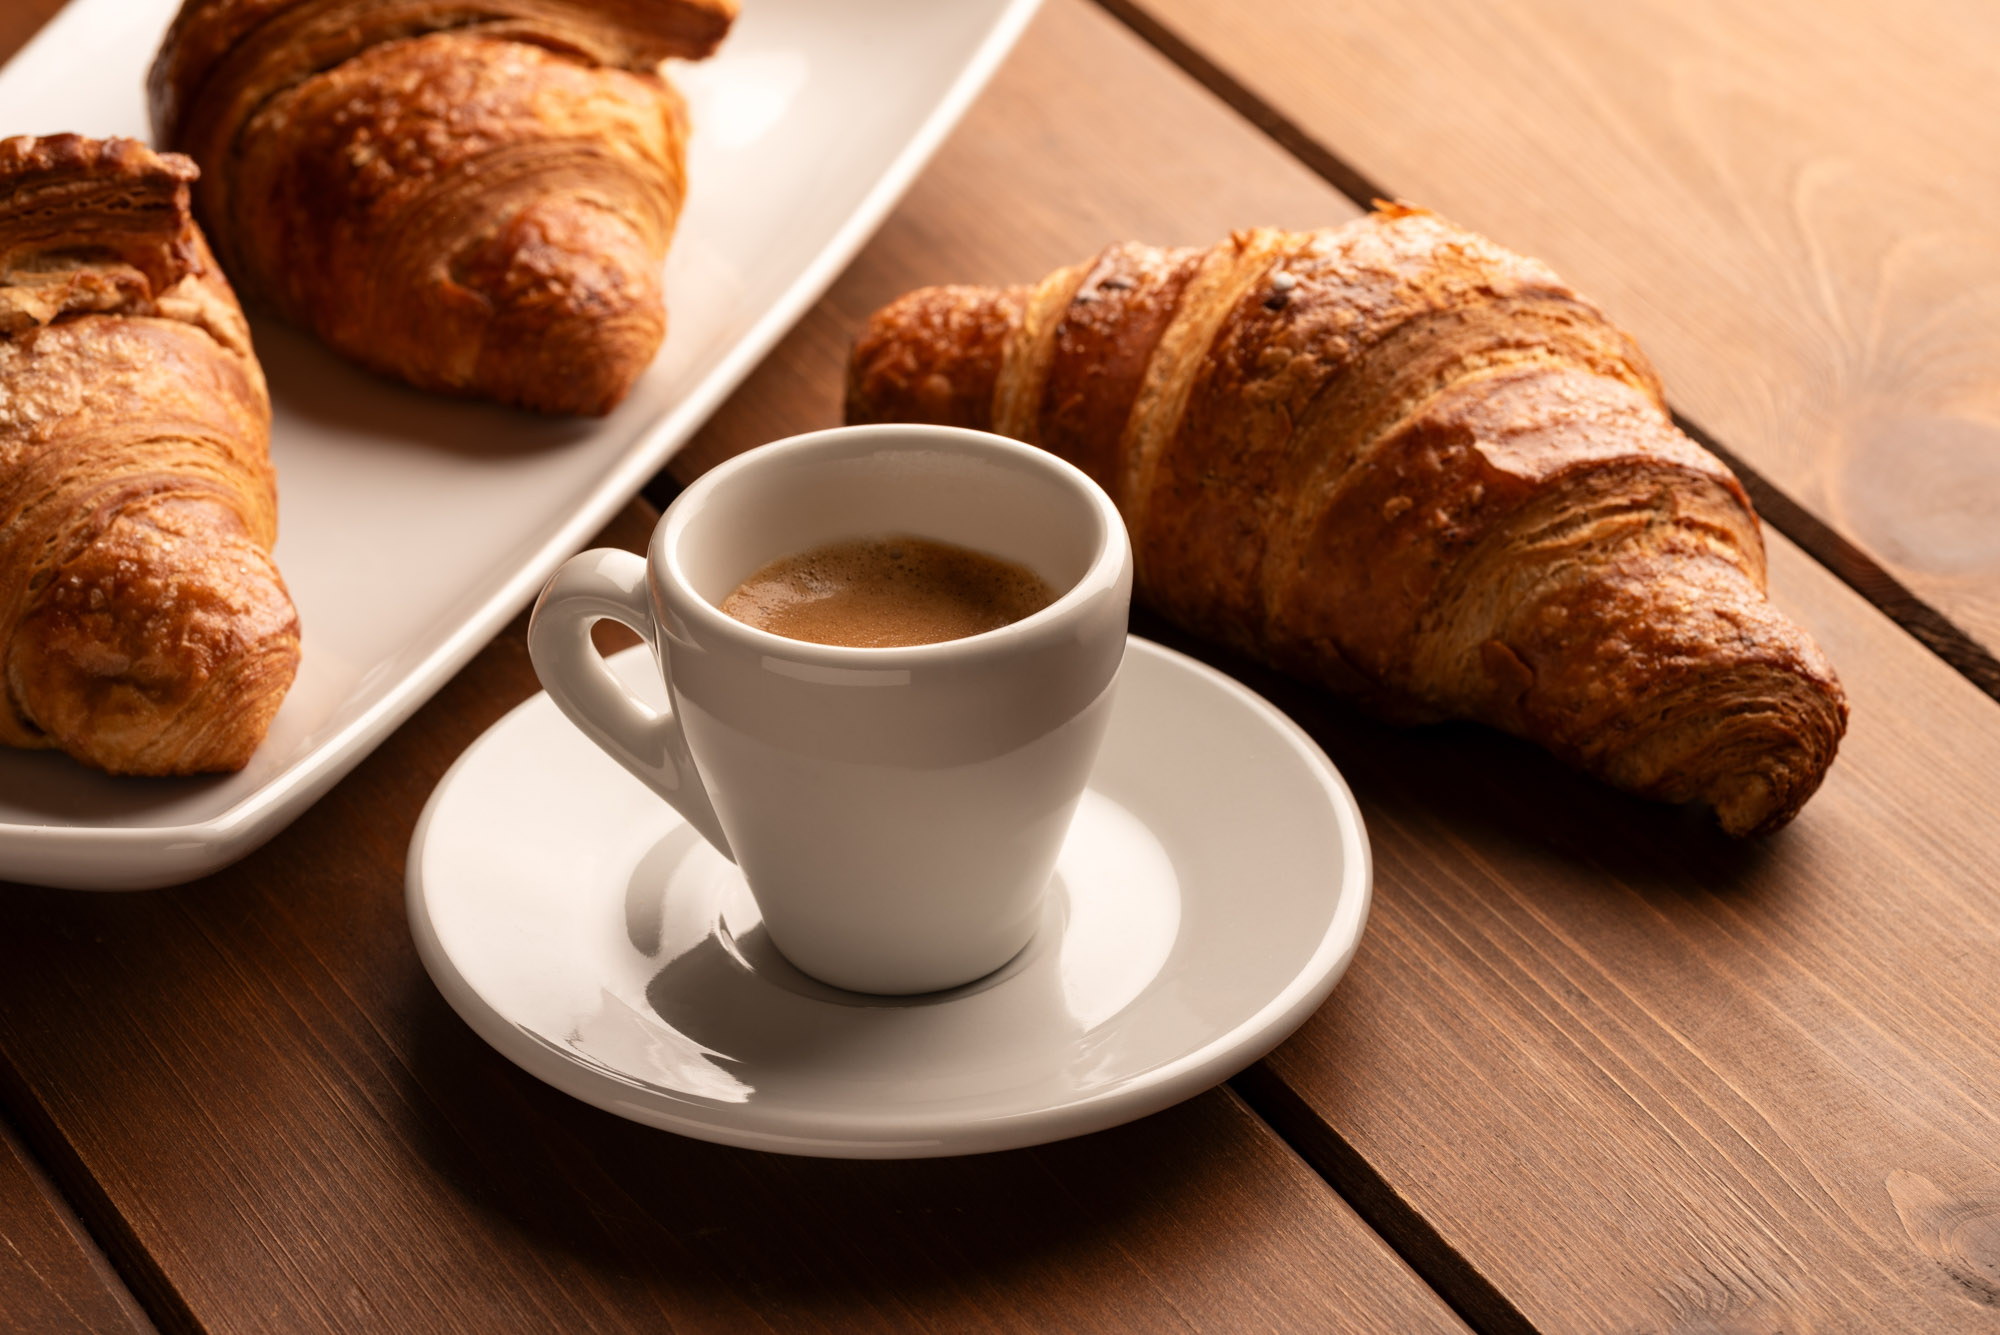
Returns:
(1212, 891)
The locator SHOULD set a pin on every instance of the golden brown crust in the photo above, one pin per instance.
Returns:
(1399, 460)
(258, 47)
(934, 356)
(506, 241)
(143, 628)
(1104, 344)
(476, 198)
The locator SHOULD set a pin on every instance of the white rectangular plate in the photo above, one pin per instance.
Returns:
(414, 527)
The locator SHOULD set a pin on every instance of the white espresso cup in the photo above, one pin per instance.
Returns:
(897, 812)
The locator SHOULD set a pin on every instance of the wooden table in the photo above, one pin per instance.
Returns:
(1596, 1067)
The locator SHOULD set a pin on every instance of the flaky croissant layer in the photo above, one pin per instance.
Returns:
(143, 626)
(1398, 460)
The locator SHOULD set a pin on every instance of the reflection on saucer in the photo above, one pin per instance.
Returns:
(722, 1003)
(631, 1044)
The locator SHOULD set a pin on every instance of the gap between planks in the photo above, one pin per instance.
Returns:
(151, 1293)
(1469, 1294)
(110, 1304)
(1848, 563)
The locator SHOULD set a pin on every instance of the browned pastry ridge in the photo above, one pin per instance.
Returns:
(143, 628)
(475, 196)
(1400, 461)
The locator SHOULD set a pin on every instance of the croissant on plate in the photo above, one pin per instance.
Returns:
(143, 627)
(1398, 460)
(473, 197)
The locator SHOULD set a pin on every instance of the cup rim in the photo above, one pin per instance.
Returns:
(1108, 562)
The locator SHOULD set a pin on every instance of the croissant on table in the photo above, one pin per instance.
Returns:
(143, 627)
(1398, 460)
(475, 198)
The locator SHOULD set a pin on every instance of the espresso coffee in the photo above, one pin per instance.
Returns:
(877, 593)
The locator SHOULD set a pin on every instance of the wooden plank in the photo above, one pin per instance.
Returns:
(20, 20)
(53, 1279)
(290, 1130)
(311, 1193)
(1105, 142)
(307, 1192)
(1641, 1077)
(1792, 204)
(1596, 1067)
(1660, 1135)
(268, 1110)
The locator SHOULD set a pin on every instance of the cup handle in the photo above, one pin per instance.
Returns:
(589, 588)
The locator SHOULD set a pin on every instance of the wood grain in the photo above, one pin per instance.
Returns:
(1791, 204)
(53, 1279)
(257, 1096)
(1642, 1078)
(1088, 139)
(1596, 1067)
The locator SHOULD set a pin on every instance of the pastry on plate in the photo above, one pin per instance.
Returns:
(143, 626)
(475, 199)
(1398, 460)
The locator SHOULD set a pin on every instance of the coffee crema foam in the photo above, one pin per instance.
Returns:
(879, 593)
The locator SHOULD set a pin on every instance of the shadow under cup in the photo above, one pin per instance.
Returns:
(897, 812)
